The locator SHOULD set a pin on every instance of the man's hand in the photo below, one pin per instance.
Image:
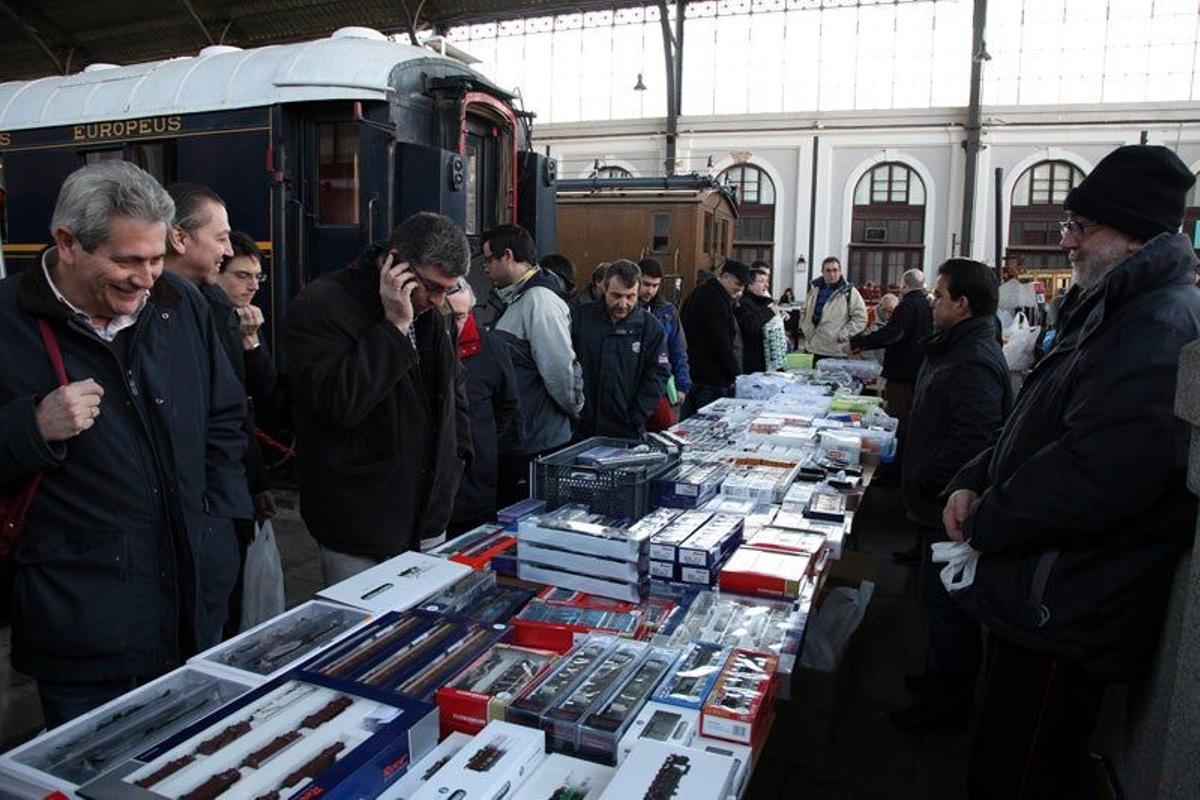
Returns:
(954, 515)
(682, 396)
(69, 410)
(250, 319)
(264, 506)
(396, 285)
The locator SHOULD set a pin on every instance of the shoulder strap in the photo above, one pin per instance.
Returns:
(51, 342)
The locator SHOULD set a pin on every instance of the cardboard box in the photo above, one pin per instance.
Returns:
(785, 540)
(605, 587)
(664, 543)
(765, 573)
(556, 558)
(397, 584)
(742, 700)
(659, 722)
(88, 746)
(495, 763)
(547, 626)
(424, 769)
(743, 761)
(560, 776)
(712, 543)
(297, 738)
(562, 530)
(657, 770)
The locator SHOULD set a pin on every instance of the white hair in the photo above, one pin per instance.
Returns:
(914, 279)
(91, 196)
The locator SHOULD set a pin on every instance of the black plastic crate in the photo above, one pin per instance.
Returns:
(613, 491)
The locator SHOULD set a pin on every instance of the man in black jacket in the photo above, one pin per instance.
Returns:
(754, 310)
(623, 352)
(128, 554)
(1080, 510)
(714, 341)
(382, 429)
(962, 395)
(494, 406)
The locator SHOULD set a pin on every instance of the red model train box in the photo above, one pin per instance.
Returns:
(740, 704)
(481, 692)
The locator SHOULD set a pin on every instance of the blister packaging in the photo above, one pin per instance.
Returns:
(605, 724)
(90, 745)
(562, 721)
(630, 591)
(773, 626)
(555, 684)
(270, 648)
(740, 703)
(575, 528)
(461, 594)
(583, 564)
(483, 690)
(552, 626)
(828, 506)
(689, 683)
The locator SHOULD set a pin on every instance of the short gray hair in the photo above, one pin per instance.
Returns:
(914, 279)
(428, 238)
(91, 196)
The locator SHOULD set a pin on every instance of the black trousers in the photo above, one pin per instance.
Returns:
(1037, 716)
(512, 479)
(701, 395)
(951, 641)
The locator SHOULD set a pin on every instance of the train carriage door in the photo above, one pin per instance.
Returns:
(487, 143)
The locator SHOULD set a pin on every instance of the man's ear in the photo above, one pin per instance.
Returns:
(176, 239)
(66, 242)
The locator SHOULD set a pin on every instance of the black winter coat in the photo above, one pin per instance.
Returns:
(625, 369)
(495, 410)
(128, 556)
(753, 313)
(901, 338)
(714, 341)
(382, 432)
(1083, 509)
(962, 395)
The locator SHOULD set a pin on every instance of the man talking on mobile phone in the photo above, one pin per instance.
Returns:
(382, 432)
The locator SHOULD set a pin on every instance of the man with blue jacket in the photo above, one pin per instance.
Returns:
(126, 561)
(650, 296)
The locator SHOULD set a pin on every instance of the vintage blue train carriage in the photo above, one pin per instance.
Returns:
(317, 147)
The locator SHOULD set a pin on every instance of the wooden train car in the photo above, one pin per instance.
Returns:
(317, 148)
(686, 222)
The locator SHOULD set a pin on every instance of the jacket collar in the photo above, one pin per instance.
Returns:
(37, 297)
(819, 283)
(754, 299)
(941, 342)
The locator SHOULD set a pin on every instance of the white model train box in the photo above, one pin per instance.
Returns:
(563, 776)
(494, 764)
(397, 584)
(654, 770)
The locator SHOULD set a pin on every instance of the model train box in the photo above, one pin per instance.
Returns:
(659, 722)
(658, 770)
(494, 764)
(420, 772)
(768, 573)
(742, 699)
(561, 777)
(482, 691)
(397, 584)
(288, 738)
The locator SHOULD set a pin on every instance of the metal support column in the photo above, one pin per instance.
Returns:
(974, 125)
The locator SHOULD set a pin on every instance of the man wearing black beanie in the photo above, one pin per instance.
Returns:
(1079, 512)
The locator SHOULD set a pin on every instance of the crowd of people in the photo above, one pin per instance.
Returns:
(133, 368)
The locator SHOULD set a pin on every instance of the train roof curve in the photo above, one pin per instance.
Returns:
(218, 79)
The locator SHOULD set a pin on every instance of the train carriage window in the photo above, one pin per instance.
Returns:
(100, 156)
(662, 236)
(337, 173)
(708, 232)
(157, 158)
(472, 189)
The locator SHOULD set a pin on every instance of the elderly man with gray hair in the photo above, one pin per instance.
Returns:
(133, 457)
(382, 427)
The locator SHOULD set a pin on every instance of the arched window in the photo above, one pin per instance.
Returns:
(887, 228)
(1037, 200)
(611, 172)
(754, 230)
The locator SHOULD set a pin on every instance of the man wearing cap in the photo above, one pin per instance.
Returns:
(714, 342)
(1079, 511)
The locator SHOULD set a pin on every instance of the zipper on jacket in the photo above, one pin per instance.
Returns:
(1041, 578)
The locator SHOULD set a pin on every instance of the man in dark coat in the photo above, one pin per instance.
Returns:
(754, 310)
(622, 349)
(1080, 510)
(382, 428)
(963, 394)
(495, 411)
(128, 555)
(714, 342)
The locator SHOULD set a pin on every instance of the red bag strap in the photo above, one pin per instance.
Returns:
(51, 342)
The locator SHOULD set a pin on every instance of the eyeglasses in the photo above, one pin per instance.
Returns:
(250, 277)
(436, 288)
(1075, 227)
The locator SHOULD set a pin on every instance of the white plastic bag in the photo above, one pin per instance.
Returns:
(1020, 340)
(838, 618)
(262, 580)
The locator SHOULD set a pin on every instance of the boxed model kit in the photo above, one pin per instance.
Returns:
(482, 692)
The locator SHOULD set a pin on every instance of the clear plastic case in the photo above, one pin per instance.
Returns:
(692, 679)
(571, 669)
(563, 719)
(601, 730)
